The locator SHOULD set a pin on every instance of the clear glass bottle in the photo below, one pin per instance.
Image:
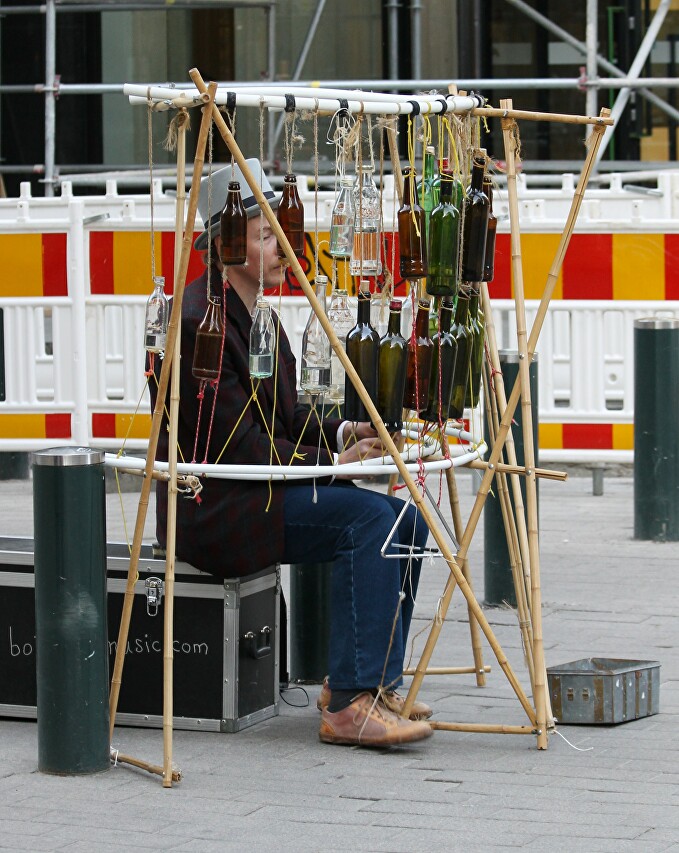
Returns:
(342, 221)
(290, 215)
(342, 321)
(444, 243)
(233, 228)
(393, 359)
(207, 353)
(443, 366)
(411, 231)
(420, 353)
(489, 258)
(157, 317)
(315, 373)
(365, 255)
(262, 342)
(476, 210)
(464, 338)
(363, 350)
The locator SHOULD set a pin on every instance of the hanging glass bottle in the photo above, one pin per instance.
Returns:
(365, 255)
(315, 374)
(209, 339)
(425, 189)
(393, 358)
(436, 186)
(157, 317)
(342, 321)
(262, 341)
(290, 215)
(476, 322)
(363, 349)
(464, 339)
(233, 228)
(489, 258)
(476, 210)
(411, 232)
(443, 366)
(420, 354)
(342, 221)
(444, 243)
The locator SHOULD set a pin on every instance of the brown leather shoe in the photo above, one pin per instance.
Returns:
(391, 699)
(367, 722)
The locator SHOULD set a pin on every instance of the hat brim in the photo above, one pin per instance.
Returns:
(201, 241)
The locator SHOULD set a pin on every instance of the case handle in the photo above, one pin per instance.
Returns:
(249, 642)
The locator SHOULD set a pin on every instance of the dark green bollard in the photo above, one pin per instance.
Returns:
(69, 510)
(309, 621)
(497, 570)
(656, 429)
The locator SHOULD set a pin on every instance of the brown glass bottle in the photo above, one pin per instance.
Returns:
(476, 209)
(412, 237)
(464, 339)
(489, 259)
(233, 228)
(420, 353)
(209, 338)
(393, 357)
(443, 366)
(290, 215)
(363, 349)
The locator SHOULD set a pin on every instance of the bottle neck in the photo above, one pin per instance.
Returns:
(447, 188)
(462, 309)
(409, 197)
(478, 171)
(422, 320)
(394, 325)
(446, 318)
(488, 190)
(363, 314)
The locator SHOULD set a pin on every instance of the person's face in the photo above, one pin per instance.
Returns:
(262, 239)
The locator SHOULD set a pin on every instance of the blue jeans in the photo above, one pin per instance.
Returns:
(348, 526)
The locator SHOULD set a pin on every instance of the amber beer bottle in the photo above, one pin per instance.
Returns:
(443, 367)
(290, 215)
(444, 242)
(412, 244)
(393, 357)
(233, 227)
(477, 328)
(363, 350)
(464, 339)
(489, 259)
(420, 353)
(476, 210)
(209, 338)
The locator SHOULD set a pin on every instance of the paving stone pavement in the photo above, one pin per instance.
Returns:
(276, 787)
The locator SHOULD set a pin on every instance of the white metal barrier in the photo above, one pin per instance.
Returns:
(82, 353)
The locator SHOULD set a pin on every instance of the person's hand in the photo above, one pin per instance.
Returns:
(360, 451)
(356, 431)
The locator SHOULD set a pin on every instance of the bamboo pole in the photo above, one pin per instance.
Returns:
(119, 758)
(448, 670)
(454, 500)
(530, 115)
(163, 383)
(171, 534)
(482, 728)
(540, 686)
(552, 277)
(375, 418)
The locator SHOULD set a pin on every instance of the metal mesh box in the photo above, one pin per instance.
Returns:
(596, 691)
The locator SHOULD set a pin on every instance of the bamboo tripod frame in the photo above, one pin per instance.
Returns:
(537, 712)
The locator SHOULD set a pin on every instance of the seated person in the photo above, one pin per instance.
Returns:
(242, 526)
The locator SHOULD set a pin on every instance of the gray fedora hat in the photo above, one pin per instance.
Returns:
(210, 209)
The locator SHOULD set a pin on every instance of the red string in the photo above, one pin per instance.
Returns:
(150, 371)
(214, 384)
(200, 397)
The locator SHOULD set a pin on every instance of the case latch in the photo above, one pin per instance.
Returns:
(154, 595)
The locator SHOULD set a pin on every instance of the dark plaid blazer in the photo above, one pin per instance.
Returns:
(237, 525)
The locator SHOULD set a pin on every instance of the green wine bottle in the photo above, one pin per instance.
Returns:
(476, 209)
(464, 339)
(393, 358)
(362, 348)
(443, 367)
(444, 243)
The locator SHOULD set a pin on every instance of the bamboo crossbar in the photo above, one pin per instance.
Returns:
(530, 115)
(119, 758)
(540, 473)
(449, 670)
(483, 728)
